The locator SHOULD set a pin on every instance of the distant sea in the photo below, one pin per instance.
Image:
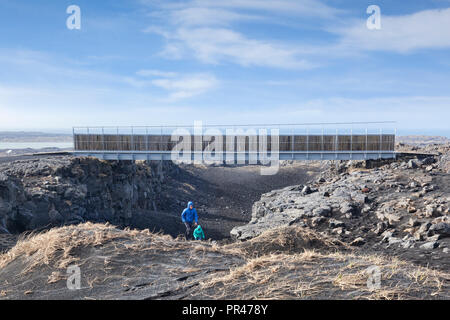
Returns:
(34, 145)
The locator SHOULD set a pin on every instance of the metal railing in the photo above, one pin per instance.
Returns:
(307, 138)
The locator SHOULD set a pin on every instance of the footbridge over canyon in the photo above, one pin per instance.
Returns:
(239, 143)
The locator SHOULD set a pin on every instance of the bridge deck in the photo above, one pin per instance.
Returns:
(296, 155)
(290, 147)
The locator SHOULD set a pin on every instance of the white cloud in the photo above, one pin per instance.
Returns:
(311, 8)
(213, 45)
(198, 16)
(428, 29)
(186, 86)
(217, 45)
(206, 30)
(203, 29)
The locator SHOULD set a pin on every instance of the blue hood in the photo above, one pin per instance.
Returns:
(189, 215)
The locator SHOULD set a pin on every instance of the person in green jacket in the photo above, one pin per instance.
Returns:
(199, 234)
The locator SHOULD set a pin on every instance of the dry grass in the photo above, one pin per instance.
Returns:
(287, 240)
(326, 276)
(57, 246)
(42, 248)
(264, 278)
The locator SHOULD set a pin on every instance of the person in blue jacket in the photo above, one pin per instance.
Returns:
(190, 218)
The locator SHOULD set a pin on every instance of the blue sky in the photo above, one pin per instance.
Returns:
(150, 62)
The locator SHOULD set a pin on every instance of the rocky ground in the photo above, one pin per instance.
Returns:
(46, 192)
(8, 155)
(422, 141)
(399, 208)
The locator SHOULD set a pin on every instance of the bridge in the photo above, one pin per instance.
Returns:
(234, 143)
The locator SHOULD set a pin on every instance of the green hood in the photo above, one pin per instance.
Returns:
(198, 233)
